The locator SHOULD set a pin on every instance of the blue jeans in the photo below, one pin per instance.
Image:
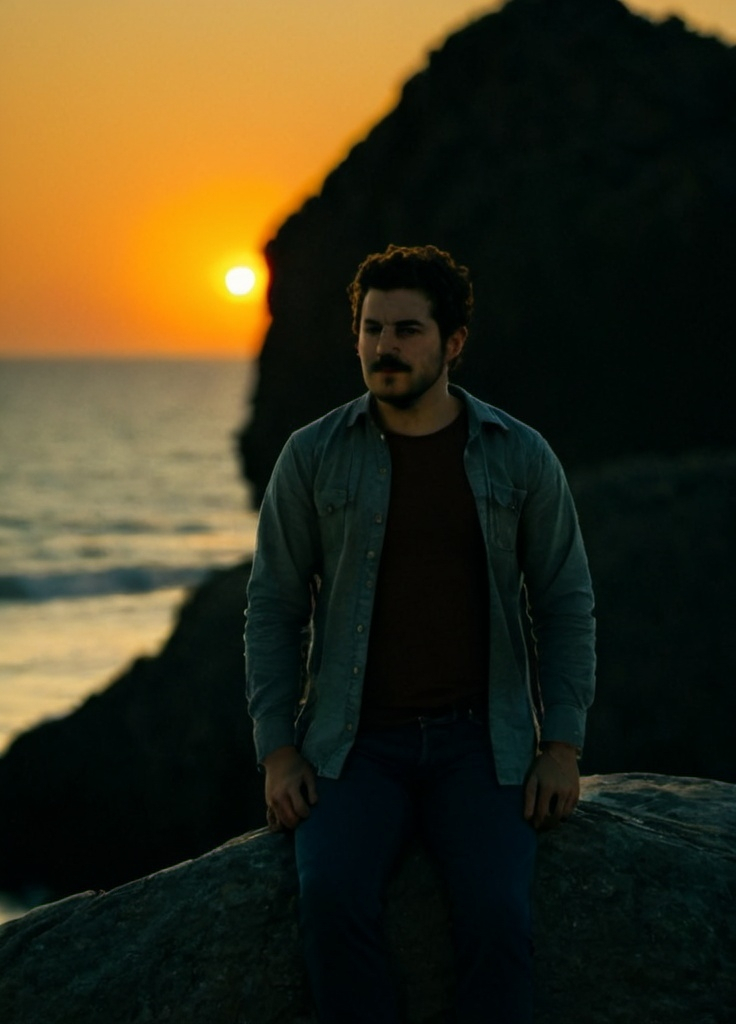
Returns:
(435, 775)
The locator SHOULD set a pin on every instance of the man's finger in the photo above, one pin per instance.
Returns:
(569, 807)
(545, 806)
(283, 814)
(556, 808)
(530, 798)
(296, 806)
(283, 808)
(272, 820)
(311, 784)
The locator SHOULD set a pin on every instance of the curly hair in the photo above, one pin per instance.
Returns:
(424, 268)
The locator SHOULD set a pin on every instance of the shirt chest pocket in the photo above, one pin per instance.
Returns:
(331, 504)
(504, 511)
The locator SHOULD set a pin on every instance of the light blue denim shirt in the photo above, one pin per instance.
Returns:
(318, 549)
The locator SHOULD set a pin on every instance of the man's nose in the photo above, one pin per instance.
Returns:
(386, 339)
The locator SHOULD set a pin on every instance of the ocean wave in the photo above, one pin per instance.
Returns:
(15, 522)
(104, 582)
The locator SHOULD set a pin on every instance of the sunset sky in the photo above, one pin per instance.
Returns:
(148, 146)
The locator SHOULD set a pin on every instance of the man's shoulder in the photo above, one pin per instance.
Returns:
(333, 423)
(491, 416)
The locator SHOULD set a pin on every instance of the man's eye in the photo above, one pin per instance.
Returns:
(371, 329)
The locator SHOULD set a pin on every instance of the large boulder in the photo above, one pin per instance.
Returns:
(634, 922)
(581, 160)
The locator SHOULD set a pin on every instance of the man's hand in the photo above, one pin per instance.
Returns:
(291, 788)
(553, 786)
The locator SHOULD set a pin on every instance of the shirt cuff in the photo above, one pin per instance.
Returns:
(563, 724)
(271, 733)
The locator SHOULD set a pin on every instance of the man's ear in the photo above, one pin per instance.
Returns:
(455, 344)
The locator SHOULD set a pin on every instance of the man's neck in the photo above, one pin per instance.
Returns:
(426, 417)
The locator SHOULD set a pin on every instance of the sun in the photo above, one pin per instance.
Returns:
(240, 280)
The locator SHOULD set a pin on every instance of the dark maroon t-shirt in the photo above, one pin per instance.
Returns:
(429, 633)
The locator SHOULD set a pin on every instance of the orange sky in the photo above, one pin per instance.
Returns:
(149, 145)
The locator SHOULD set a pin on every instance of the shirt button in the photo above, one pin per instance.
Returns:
(369, 584)
(359, 629)
(378, 518)
(356, 670)
(371, 554)
(349, 727)
(383, 470)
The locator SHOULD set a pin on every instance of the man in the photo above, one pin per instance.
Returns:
(405, 536)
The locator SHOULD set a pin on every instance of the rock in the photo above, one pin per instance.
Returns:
(581, 161)
(634, 921)
(158, 767)
(661, 539)
(641, 893)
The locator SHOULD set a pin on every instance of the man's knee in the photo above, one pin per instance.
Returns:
(330, 897)
(494, 920)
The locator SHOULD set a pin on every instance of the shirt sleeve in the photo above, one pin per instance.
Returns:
(280, 601)
(560, 601)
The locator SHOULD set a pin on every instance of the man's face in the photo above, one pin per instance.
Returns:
(400, 348)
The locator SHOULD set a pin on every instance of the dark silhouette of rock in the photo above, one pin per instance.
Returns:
(633, 905)
(582, 162)
(158, 767)
(661, 539)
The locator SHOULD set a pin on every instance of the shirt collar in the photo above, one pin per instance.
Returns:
(359, 408)
(479, 413)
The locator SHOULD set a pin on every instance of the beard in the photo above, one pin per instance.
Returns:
(423, 383)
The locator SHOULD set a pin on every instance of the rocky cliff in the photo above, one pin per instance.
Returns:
(582, 162)
(633, 907)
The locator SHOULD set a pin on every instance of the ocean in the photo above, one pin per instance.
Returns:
(120, 490)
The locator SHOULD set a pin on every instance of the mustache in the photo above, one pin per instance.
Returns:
(389, 362)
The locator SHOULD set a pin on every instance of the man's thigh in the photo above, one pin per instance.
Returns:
(476, 827)
(359, 825)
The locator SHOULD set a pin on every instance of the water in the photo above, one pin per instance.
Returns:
(119, 488)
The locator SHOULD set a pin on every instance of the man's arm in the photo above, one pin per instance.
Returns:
(560, 596)
(279, 610)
